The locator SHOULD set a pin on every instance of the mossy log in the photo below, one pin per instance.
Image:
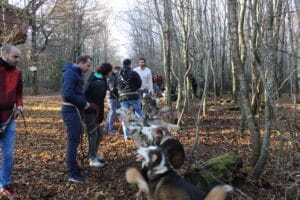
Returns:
(219, 170)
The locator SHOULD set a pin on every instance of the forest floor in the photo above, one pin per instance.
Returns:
(40, 164)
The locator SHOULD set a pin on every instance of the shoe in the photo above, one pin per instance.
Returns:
(76, 179)
(96, 163)
(101, 158)
(105, 129)
(113, 132)
(8, 192)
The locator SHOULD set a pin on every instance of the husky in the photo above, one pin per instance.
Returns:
(160, 182)
(169, 114)
(147, 136)
(129, 118)
(150, 106)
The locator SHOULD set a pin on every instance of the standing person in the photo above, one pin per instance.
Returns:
(11, 93)
(95, 94)
(158, 81)
(146, 77)
(113, 102)
(73, 104)
(127, 83)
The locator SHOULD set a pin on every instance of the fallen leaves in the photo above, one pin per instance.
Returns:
(40, 164)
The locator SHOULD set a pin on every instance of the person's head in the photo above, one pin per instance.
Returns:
(11, 54)
(105, 69)
(84, 62)
(142, 62)
(127, 62)
(116, 69)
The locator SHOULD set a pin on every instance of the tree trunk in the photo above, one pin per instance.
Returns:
(34, 50)
(243, 89)
(165, 30)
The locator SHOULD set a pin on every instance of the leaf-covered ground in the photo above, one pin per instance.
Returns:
(40, 167)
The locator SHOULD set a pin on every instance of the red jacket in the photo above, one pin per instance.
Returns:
(11, 89)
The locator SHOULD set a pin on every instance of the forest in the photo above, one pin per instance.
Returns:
(232, 64)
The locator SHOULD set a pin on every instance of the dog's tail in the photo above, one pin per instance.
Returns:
(134, 176)
(219, 192)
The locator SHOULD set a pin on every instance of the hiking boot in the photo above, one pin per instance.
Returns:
(8, 192)
(76, 179)
(96, 163)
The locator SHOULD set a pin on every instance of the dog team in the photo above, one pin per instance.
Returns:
(158, 151)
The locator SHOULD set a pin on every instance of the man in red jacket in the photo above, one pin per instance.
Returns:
(10, 99)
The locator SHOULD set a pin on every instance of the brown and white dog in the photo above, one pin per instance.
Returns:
(160, 182)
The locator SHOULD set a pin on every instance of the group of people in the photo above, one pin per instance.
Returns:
(81, 108)
(84, 108)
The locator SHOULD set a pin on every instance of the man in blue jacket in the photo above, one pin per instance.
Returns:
(73, 103)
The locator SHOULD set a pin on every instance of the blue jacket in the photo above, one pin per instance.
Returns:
(72, 85)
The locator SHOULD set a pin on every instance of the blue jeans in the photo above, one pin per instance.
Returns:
(136, 104)
(113, 104)
(7, 143)
(72, 122)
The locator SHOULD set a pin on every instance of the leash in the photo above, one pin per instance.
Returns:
(7, 122)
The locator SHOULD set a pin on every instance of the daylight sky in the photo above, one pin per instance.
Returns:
(118, 27)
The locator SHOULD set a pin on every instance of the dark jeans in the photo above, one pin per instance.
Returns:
(72, 122)
(95, 134)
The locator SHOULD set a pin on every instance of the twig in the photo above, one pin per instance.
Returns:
(242, 193)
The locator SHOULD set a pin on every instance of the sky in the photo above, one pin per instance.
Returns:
(118, 27)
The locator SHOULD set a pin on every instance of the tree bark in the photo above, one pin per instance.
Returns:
(243, 89)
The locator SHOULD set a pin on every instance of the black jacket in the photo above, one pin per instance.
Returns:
(113, 92)
(127, 83)
(95, 94)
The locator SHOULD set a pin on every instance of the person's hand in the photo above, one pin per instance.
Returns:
(87, 105)
(20, 108)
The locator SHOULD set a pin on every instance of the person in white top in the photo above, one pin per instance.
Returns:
(146, 76)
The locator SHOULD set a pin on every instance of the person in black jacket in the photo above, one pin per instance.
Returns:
(112, 101)
(95, 94)
(127, 83)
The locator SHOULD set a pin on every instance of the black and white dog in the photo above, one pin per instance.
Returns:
(147, 136)
(160, 182)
